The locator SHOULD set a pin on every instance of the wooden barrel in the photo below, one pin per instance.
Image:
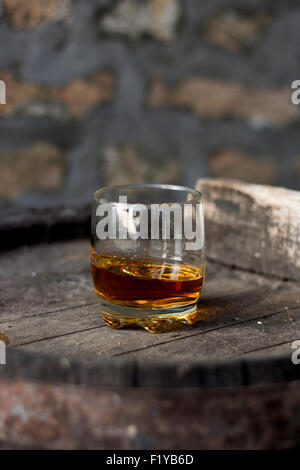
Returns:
(230, 381)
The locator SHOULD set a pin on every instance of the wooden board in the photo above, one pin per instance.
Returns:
(237, 359)
(253, 227)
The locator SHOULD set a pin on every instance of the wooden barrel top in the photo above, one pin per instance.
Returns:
(230, 378)
(49, 308)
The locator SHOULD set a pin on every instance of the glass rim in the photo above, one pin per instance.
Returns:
(170, 187)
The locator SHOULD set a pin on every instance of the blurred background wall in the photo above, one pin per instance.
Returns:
(104, 92)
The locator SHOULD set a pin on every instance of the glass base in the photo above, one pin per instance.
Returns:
(155, 321)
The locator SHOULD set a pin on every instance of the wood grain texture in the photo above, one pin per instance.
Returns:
(252, 227)
(30, 226)
(49, 308)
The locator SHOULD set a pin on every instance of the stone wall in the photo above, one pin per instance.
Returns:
(104, 92)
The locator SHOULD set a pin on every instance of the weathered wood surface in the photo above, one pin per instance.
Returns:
(67, 417)
(253, 227)
(48, 306)
(30, 226)
(237, 359)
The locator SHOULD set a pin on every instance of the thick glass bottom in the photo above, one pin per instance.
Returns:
(153, 320)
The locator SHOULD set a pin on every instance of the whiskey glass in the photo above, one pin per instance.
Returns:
(148, 255)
